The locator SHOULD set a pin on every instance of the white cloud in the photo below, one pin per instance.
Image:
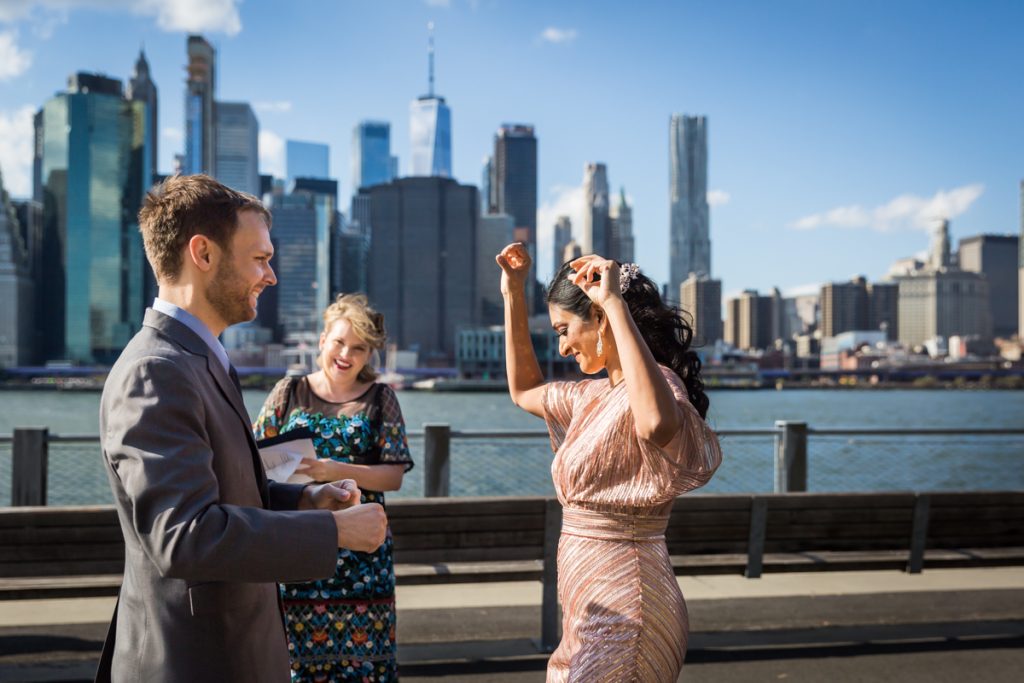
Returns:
(718, 197)
(193, 15)
(558, 35)
(16, 135)
(563, 201)
(905, 212)
(13, 60)
(171, 15)
(275, 107)
(172, 134)
(272, 154)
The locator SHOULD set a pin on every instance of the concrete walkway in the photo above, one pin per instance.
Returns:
(485, 632)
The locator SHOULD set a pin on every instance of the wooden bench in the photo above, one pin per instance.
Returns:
(48, 552)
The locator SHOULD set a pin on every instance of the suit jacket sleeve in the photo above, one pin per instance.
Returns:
(155, 438)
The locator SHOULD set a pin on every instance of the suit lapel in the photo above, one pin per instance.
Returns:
(181, 334)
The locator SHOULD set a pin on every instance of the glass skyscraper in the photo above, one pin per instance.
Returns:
(238, 154)
(307, 160)
(372, 163)
(430, 130)
(200, 145)
(689, 241)
(93, 166)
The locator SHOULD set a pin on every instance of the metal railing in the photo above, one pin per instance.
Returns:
(30, 451)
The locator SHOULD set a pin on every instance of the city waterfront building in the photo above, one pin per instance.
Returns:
(494, 232)
(372, 161)
(689, 236)
(622, 243)
(237, 142)
(430, 129)
(17, 289)
(995, 257)
(595, 235)
(200, 90)
(142, 88)
(422, 271)
(306, 160)
(92, 168)
(701, 298)
(562, 237)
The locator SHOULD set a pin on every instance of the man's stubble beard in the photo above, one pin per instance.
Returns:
(228, 294)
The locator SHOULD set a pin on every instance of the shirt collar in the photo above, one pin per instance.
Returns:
(196, 325)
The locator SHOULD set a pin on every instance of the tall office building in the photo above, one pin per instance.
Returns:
(622, 230)
(93, 166)
(237, 142)
(943, 303)
(372, 162)
(430, 129)
(494, 231)
(306, 160)
(422, 273)
(689, 240)
(595, 237)
(563, 235)
(844, 307)
(141, 87)
(305, 221)
(701, 298)
(754, 321)
(996, 257)
(17, 289)
(486, 186)
(515, 179)
(883, 308)
(200, 91)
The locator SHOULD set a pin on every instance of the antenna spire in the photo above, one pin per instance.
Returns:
(430, 58)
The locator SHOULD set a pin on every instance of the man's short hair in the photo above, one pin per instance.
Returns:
(184, 206)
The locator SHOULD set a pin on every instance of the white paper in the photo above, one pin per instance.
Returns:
(281, 460)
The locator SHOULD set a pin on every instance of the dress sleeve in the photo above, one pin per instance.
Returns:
(559, 401)
(392, 440)
(691, 457)
(271, 419)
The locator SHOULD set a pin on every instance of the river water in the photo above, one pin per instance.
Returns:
(521, 467)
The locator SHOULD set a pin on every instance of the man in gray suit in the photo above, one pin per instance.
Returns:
(206, 535)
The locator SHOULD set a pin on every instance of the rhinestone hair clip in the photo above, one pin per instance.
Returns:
(627, 273)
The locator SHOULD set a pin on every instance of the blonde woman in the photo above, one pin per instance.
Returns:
(343, 628)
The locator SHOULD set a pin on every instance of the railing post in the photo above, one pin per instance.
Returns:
(790, 456)
(919, 533)
(436, 451)
(28, 466)
(551, 619)
(755, 541)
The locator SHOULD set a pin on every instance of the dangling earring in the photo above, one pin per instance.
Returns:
(600, 344)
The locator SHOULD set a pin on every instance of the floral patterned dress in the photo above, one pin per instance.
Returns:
(343, 628)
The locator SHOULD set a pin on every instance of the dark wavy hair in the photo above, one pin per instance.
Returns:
(664, 329)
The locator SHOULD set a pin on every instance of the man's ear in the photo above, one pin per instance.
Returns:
(203, 251)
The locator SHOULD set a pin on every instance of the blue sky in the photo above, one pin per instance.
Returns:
(838, 130)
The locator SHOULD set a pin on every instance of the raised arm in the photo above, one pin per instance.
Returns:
(525, 381)
(651, 399)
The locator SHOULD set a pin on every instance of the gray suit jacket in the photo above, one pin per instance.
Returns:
(203, 549)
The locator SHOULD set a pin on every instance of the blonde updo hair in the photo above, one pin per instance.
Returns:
(367, 323)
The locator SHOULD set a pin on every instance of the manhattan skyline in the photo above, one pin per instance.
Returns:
(836, 134)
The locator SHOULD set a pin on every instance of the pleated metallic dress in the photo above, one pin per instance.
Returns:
(624, 617)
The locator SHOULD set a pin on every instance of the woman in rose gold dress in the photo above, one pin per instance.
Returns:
(625, 447)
